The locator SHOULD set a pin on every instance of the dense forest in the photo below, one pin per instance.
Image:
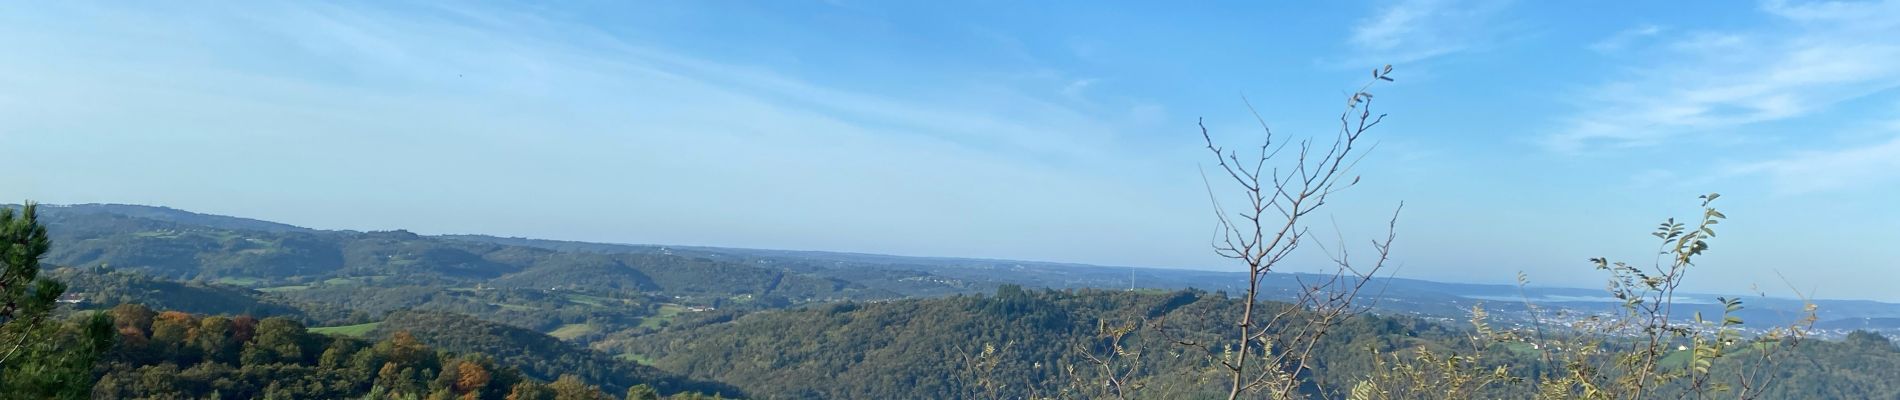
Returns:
(223, 265)
(179, 305)
(537, 355)
(1017, 343)
(291, 259)
(179, 355)
(935, 348)
(687, 200)
(130, 350)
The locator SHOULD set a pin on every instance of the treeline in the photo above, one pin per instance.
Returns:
(285, 257)
(132, 351)
(1019, 343)
(105, 286)
(173, 260)
(1864, 366)
(1037, 343)
(176, 355)
(536, 354)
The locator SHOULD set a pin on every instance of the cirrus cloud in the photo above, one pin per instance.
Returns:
(1821, 55)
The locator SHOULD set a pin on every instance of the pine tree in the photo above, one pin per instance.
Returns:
(25, 298)
(41, 358)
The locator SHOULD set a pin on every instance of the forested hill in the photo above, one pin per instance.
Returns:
(1019, 343)
(196, 247)
(175, 355)
(101, 286)
(537, 355)
(375, 272)
(769, 324)
(173, 215)
(928, 276)
(1035, 343)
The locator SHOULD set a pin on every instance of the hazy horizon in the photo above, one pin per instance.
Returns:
(1523, 136)
(1193, 268)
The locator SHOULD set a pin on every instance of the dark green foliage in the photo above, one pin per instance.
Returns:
(1865, 366)
(88, 236)
(40, 357)
(255, 254)
(178, 355)
(689, 275)
(463, 318)
(537, 355)
(173, 215)
(100, 287)
(1869, 341)
(536, 309)
(401, 252)
(25, 298)
(642, 392)
(60, 364)
(580, 271)
(330, 278)
(926, 348)
(923, 348)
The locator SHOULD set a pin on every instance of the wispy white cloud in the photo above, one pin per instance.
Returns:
(1077, 89)
(1821, 54)
(1875, 165)
(1625, 38)
(325, 101)
(1412, 30)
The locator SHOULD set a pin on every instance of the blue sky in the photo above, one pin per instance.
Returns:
(1524, 136)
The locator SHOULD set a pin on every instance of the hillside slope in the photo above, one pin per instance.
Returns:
(537, 355)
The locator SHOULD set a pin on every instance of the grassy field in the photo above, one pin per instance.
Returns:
(642, 359)
(595, 301)
(275, 289)
(158, 234)
(1521, 348)
(235, 281)
(571, 331)
(1675, 359)
(515, 307)
(357, 330)
(667, 312)
(1680, 358)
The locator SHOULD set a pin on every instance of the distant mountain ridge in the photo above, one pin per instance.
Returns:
(174, 215)
(773, 323)
(178, 243)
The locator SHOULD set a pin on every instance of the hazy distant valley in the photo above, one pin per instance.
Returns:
(369, 273)
(687, 319)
